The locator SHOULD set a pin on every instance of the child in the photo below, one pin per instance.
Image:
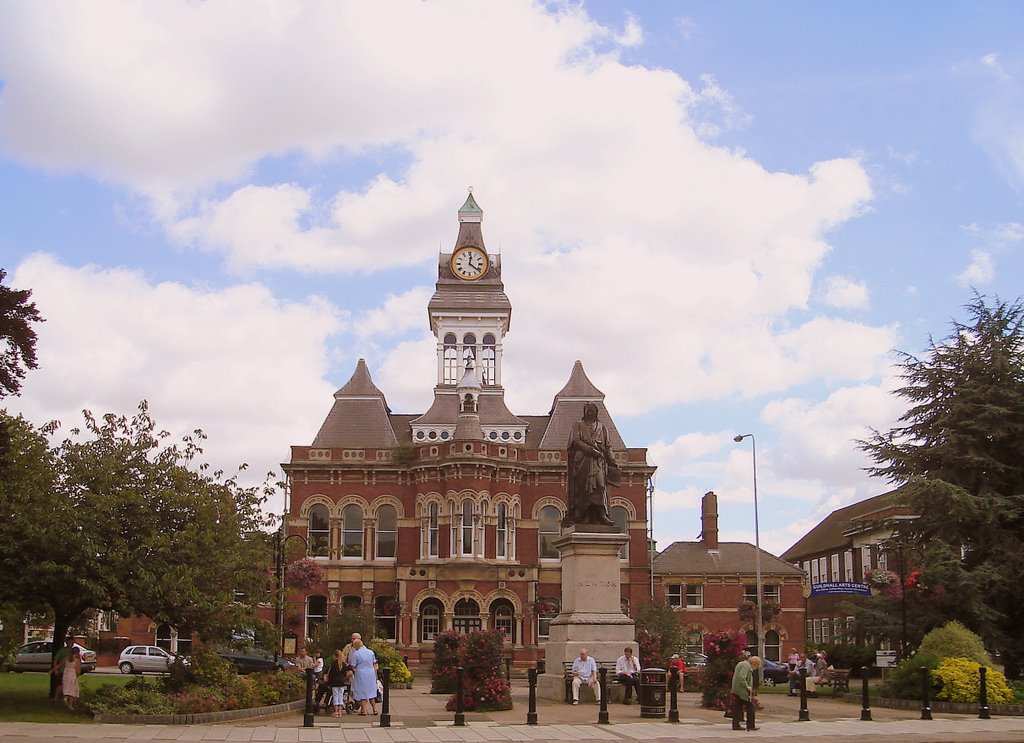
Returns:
(69, 677)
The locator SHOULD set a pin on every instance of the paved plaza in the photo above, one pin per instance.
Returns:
(418, 717)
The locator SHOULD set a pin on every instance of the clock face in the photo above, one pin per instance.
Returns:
(469, 263)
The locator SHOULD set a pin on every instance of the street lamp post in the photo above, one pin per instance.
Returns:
(757, 547)
(279, 544)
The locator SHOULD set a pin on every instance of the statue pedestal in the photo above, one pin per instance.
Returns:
(591, 614)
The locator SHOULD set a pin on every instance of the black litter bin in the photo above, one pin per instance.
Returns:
(652, 692)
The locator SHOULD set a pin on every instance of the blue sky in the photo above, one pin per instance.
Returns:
(731, 212)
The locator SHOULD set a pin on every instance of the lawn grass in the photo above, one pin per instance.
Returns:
(26, 697)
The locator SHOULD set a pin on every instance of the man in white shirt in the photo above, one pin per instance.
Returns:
(584, 671)
(627, 670)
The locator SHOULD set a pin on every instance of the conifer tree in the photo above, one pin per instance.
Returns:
(958, 457)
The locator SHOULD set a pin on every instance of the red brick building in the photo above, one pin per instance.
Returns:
(444, 519)
(709, 581)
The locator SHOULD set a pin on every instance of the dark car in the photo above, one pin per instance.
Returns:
(256, 663)
(774, 672)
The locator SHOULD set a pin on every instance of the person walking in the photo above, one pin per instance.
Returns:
(337, 677)
(69, 677)
(743, 692)
(364, 678)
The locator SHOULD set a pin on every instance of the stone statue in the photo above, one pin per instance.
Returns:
(590, 468)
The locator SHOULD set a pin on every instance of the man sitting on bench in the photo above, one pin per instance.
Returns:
(584, 671)
(627, 671)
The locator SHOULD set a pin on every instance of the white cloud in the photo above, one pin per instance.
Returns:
(981, 269)
(236, 362)
(846, 294)
(632, 35)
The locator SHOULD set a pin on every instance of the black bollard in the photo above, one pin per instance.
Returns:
(508, 670)
(926, 707)
(865, 703)
(673, 709)
(385, 709)
(983, 695)
(805, 715)
(602, 715)
(460, 715)
(531, 712)
(405, 659)
(307, 718)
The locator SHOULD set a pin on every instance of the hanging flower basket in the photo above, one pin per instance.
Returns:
(303, 574)
(545, 605)
(391, 607)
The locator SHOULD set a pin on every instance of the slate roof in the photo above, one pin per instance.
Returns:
(445, 410)
(834, 530)
(567, 408)
(359, 416)
(731, 558)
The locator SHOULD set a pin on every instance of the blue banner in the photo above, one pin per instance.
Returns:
(830, 589)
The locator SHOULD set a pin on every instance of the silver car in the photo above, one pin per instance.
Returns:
(38, 656)
(145, 658)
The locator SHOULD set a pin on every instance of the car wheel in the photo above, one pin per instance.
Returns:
(126, 667)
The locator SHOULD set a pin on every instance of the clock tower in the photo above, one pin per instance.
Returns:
(469, 315)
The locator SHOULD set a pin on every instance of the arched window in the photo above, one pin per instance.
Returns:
(432, 533)
(387, 531)
(466, 528)
(548, 529)
(772, 645)
(487, 360)
(752, 641)
(501, 532)
(385, 616)
(316, 613)
(351, 602)
(352, 531)
(163, 637)
(430, 619)
(621, 518)
(468, 350)
(467, 616)
(318, 534)
(503, 618)
(450, 364)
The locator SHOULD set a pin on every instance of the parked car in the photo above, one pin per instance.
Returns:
(256, 663)
(774, 672)
(38, 656)
(695, 660)
(146, 659)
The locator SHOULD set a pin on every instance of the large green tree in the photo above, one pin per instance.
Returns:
(116, 517)
(958, 453)
(17, 338)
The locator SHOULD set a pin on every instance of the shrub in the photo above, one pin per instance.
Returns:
(387, 656)
(724, 650)
(905, 680)
(479, 653)
(658, 633)
(137, 697)
(446, 659)
(960, 681)
(953, 640)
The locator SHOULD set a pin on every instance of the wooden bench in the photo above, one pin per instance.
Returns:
(616, 691)
(840, 681)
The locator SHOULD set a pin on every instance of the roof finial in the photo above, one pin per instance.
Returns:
(471, 189)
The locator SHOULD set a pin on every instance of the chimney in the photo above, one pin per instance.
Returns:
(709, 520)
